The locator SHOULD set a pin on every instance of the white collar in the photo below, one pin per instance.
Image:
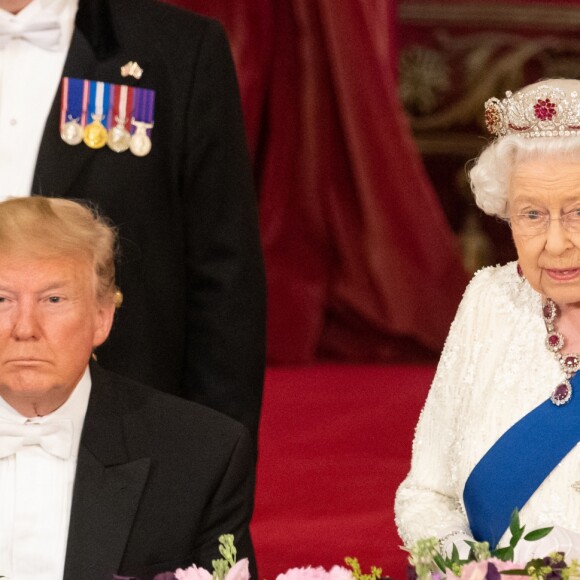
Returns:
(62, 10)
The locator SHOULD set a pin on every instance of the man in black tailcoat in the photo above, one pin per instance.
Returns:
(190, 268)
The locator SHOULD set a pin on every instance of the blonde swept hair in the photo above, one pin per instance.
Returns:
(48, 227)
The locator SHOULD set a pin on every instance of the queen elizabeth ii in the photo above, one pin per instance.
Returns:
(501, 423)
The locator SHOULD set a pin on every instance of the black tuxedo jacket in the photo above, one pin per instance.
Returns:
(192, 322)
(158, 480)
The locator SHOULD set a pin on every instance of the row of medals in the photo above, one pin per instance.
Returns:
(118, 139)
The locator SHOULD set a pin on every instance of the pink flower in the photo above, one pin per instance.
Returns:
(479, 570)
(239, 571)
(340, 573)
(474, 571)
(318, 573)
(501, 566)
(193, 573)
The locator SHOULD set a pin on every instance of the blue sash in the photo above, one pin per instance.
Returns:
(515, 466)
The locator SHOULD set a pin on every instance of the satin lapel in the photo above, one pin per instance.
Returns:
(104, 506)
(108, 486)
(59, 164)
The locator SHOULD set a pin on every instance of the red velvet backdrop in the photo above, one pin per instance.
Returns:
(361, 264)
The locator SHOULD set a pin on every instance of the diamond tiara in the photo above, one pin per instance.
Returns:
(545, 111)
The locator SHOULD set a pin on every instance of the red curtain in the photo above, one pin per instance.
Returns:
(360, 261)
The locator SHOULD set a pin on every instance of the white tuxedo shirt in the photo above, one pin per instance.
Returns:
(36, 496)
(29, 79)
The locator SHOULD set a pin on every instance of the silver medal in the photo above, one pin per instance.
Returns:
(119, 138)
(140, 142)
(72, 132)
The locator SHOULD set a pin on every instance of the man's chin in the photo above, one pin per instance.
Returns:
(27, 383)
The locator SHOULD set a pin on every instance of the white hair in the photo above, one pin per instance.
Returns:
(491, 172)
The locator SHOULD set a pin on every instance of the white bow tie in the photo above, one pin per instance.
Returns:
(44, 34)
(55, 437)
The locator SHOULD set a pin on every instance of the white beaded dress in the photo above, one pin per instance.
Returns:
(494, 369)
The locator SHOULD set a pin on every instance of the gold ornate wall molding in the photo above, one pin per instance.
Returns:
(454, 56)
(496, 15)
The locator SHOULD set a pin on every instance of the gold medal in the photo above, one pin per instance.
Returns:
(72, 132)
(95, 134)
(119, 138)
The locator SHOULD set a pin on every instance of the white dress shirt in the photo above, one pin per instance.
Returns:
(36, 496)
(29, 79)
(494, 369)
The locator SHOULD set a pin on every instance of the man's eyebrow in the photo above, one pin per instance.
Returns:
(57, 285)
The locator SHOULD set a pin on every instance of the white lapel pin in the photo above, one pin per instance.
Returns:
(132, 69)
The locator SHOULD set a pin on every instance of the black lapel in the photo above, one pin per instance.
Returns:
(107, 490)
(95, 22)
(93, 42)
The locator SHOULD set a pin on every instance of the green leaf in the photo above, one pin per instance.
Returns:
(454, 553)
(537, 534)
(537, 563)
(505, 554)
(516, 537)
(515, 522)
(440, 562)
(514, 572)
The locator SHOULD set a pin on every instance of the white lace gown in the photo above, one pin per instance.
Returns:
(494, 369)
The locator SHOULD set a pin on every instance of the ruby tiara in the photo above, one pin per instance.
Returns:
(544, 111)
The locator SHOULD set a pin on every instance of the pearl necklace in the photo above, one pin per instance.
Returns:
(569, 363)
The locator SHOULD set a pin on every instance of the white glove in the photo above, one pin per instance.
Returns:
(558, 540)
(457, 538)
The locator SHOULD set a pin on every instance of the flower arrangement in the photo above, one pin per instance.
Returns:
(227, 568)
(482, 563)
(427, 563)
(354, 572)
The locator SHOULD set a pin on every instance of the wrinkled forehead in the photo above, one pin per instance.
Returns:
(33, 256)
(39, 249)
(548, 182)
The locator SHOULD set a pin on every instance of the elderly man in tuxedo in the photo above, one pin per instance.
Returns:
(99, 475)
(134, 105)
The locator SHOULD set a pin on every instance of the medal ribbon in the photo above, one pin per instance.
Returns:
(99, 101)
(517, 464)
(122, 105)
(73, 102)
(144, 107)
(86, 92)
